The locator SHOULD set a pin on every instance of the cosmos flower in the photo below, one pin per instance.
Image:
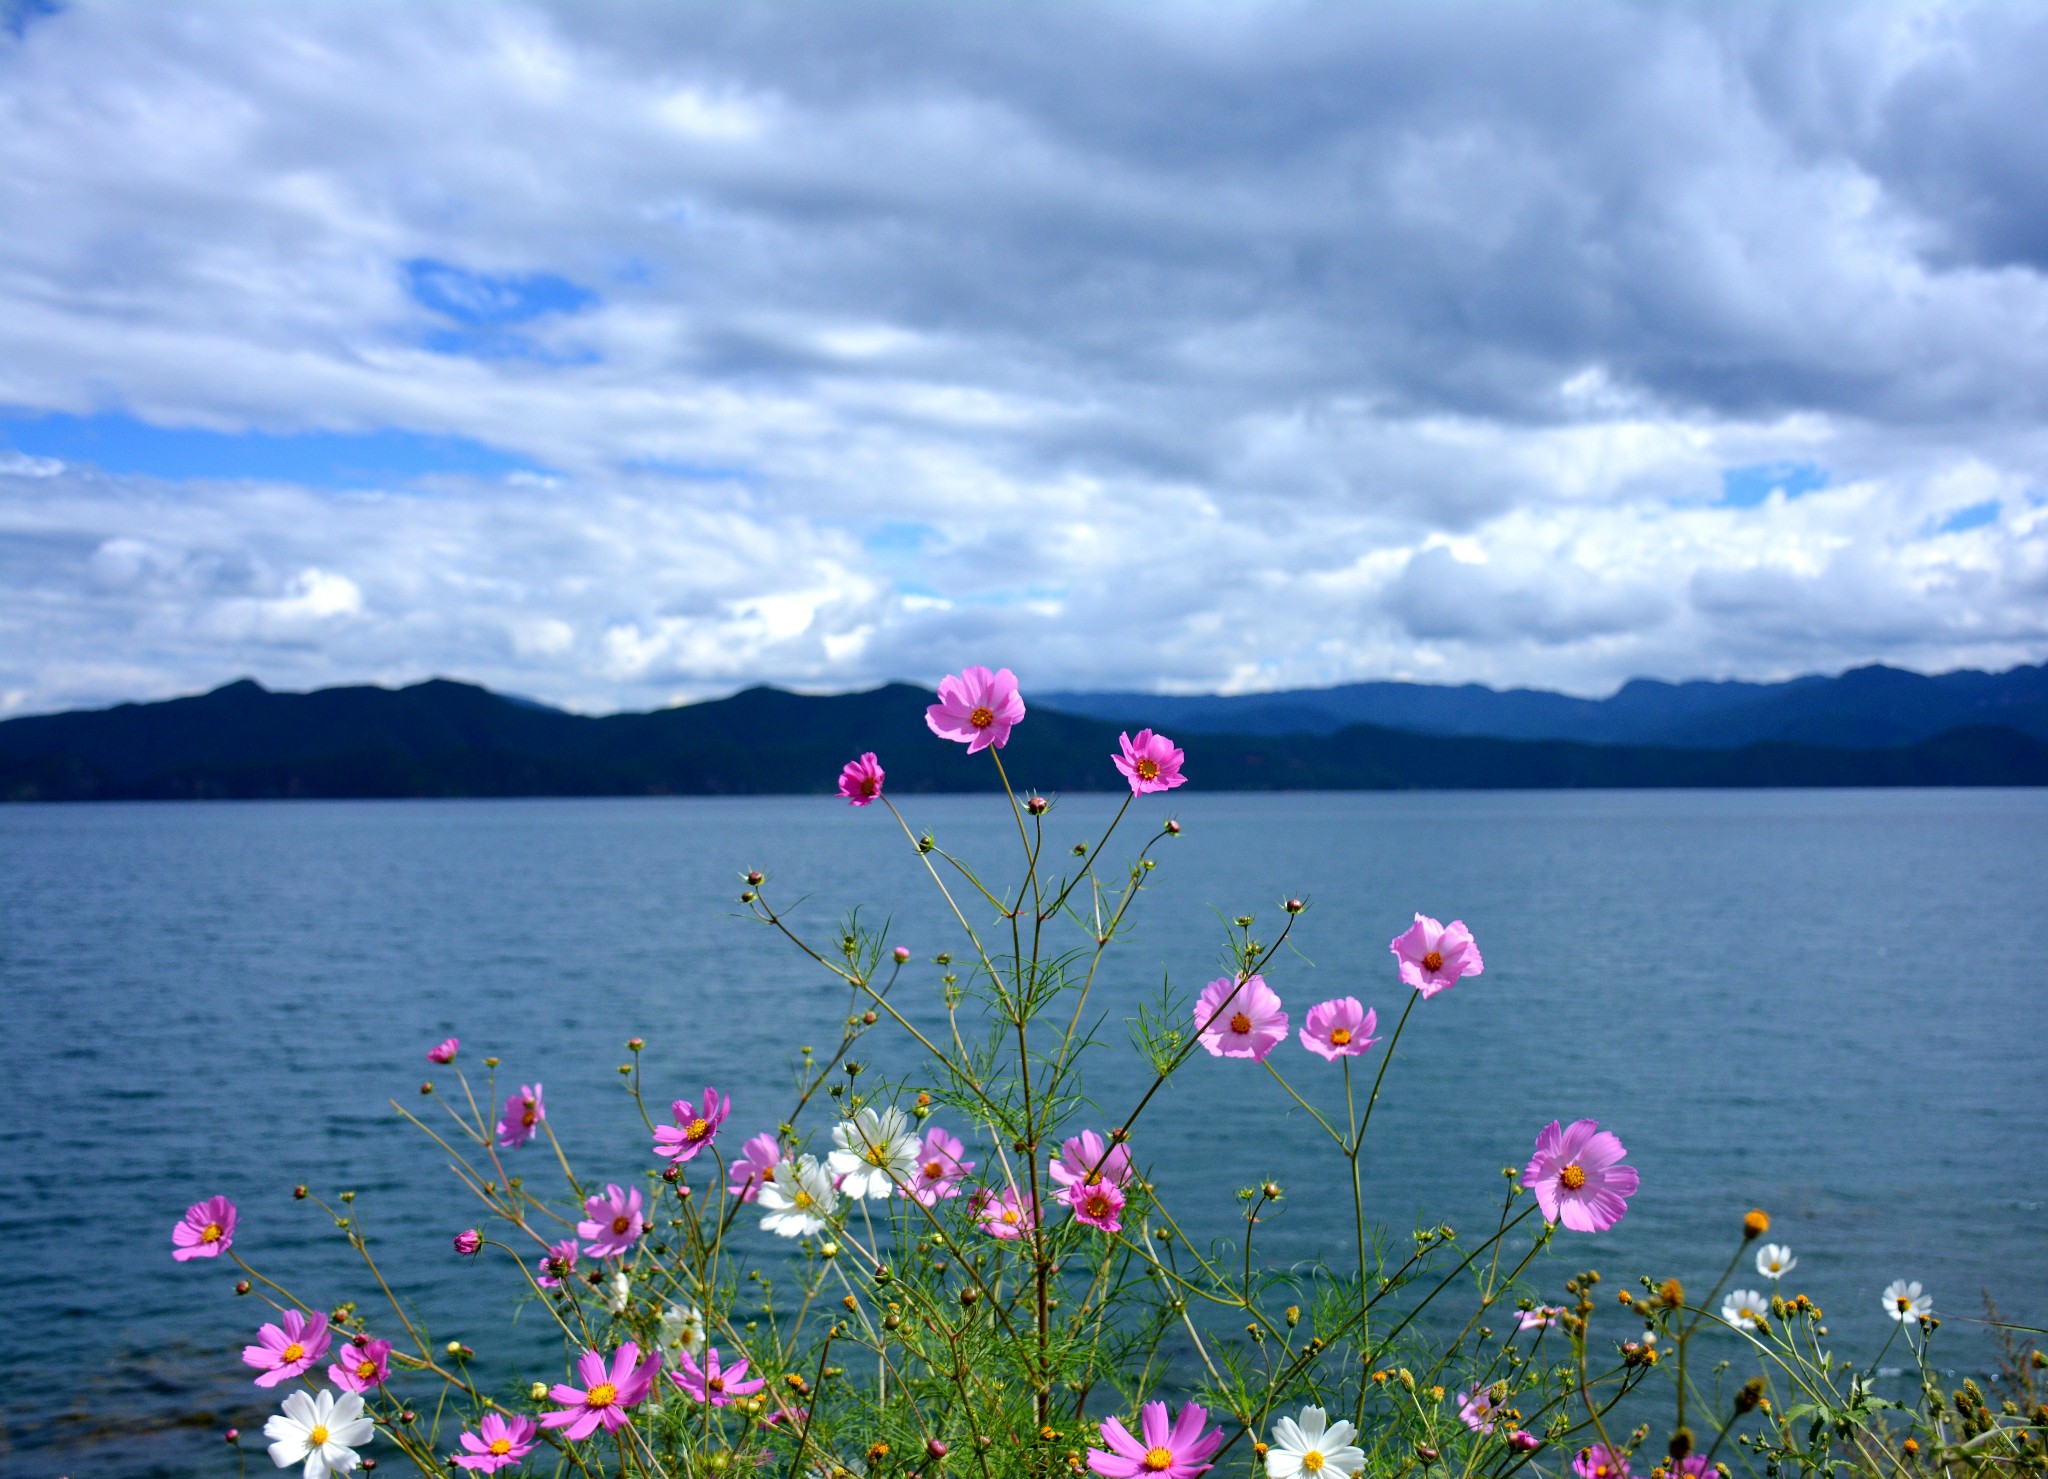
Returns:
(1775, 1260)
(618, 1292)
(1008, 1214)
(1434, 956)
(756, 1164)
(977, 708)
(498, 1443)
(860, 782)
(797, 1198)
(1905, 1303)
(696, 1126)
(1240, 1019)
(1746, 1309)
(1476, 1411)
(1098, 1204)
(361, 1365)
(874, 1153)
(522, 1118)
(1539, 1318)
(1177, 1452)
(1312, 1444)
(557, 1264)
(444, 1051)
(321, 1431)
(1151, 762)
(939, 1168)
(1087, 1156)
(1598, 1462)
(468, 1241)
(615, 1221)
(207, 1230)
(282, 1353)
(681, 1328)
(711, 1383)
(605, 1395)
(1578, 1177)
(1339, 1029)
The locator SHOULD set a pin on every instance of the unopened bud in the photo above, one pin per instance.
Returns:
(1172, 827)
(934, 1447)
(1294, 906)
(232, 1434)
(427, 1087)
(241, 1286)
(901, 953)
(1755, 1224)
(1036, 805)
(299, 1192)
(490, 1062)
(635, 1044)
(756, 877)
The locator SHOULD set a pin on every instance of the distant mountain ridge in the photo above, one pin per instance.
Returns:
(444, 738)
(1865, 708)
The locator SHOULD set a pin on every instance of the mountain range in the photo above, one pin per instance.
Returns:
(444, 738)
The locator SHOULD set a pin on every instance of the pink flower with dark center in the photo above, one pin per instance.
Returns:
(1099, 1204)
(1578, 1177)
(1177, 1452)
(605, 1395)
(1151, 762)
(207, 1230)
(1433, 956)
(522, 1118)
(1240, 1019)
(557, 1264)
(1476, 1410)
(696, 1126)
(711, 1383)
(444, 1052)
(468, 1241)
(860, 782)
(1087, 1157)
(283, 1353)
(1598, 1462)
(1008, 1214)
(361, 1365)
(498, 1443)
(939, 1168)
(977, 708)
(1339, 1029)
(1540, 1318)
(615, 1221)
(756, 1166)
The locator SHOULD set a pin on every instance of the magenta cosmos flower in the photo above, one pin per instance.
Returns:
(1099, 1204)
(1578, 1177)
(522, 1118)
(1008, 1214)
(444, 1051)
(207, 1230)
(1088, 1157)
(696, 1126)
(557, 1264)
(1240, 1019)
(755, 1167)
(1177, 1452)
(498, 1443)
(860, 782)
(605, 1394)
(1476, 1410)
(1339, 1029)
(939, 1168)
(977, 708)
(1540, 1318)
(283, 1353)
(710, 1383)
(1598, 1462)
(361, 1365)
(469, 1242)
(1433, 956)
(615, 1221)
(1151, 762)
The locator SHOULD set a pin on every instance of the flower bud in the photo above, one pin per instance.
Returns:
(901, 953)
(232, 1435)
(490, 1062)
(538, 1392)
(671, 1174)
(1172, 827)
(299, 1192)
(241, 1286)
(1673, 1295)
(1756, 1224)
(868, 1018)
(468, 1241)
(408, 1417)
(635, 1044)
(426, 1087)
(1525, 1440)
(1294, 906)
(935, 1448)
(1424, 1452)
(1036, 805)
(756, 877)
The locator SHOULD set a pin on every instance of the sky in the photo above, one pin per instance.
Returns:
(620, 355)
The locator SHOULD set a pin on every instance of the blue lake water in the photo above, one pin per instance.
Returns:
(1829, 1004)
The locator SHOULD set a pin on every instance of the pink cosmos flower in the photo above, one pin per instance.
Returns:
(1008, 1215)
(557, 1264)
(281, 1354)
(1339, 1029)
(1151, 762)
(1598, 1462)
(498, 1443)
(522, 1117)
(468, 1241)
(615, 1222)
(1434, 956)
(361, 1365)
(207, 1230)
(1088, 1157)
(1240, 1019)
(860, 782)
(1098, 1205)
(977, 708)
(1578, 1177)
(708, 1383)
(1476, 1411)
(1525, 1440)
(939, 1168)
(696, 1126)
(756, 1166)
(605, 1394)
(1179, 1452)
(1540, 1318)
(444, 1052)
(1694, 1466)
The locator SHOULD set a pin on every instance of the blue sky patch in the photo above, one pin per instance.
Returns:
(483, 310)
(1976, 516)
(899, 538)
(1746, 487)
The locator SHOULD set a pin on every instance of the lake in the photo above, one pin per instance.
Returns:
(1828, 1004)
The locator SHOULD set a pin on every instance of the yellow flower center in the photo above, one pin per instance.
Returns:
(1572, 1177)
(601, 1395)
(530, 1115)
(698, 1129)
(1148, 769)
(1312, 1461)
(296, 1352)
(982, 717)
(365, 1370)
(1340, 1036)
(801, 1199)
(621, 1223)
(212, 1234)
(1010, 1216)
(1158, 1460)
(500, 1447)
(878, 1155)
(1240, 1023)
(1904, 1303)
(1434, 961)
(934, 1170)
(318, 1437)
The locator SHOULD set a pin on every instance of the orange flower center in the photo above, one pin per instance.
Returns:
(716, 1383)
(317, 1438)
(1098, 1206)
(621, 1223)
(1239, 1022)
(529, 1116)
(1339, 1036)
(1148, 769)
(601, 1395)
(365, 1370)
(1158, 1460)
(934, 1170)
(297, 1352)
(982, 717)
(1010, 1217)
(1312, 1461)
(500, 1447)
(878, 1155)
(698, 1129)
(1434, 961)
(1905, 1303)
(212, 1234)
(1572, 1177)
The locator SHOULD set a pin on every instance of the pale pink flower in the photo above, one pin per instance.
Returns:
(1433, 956)
(614, 1221)
(1476, 1410)
(1240, 1019)
(1151, 762)
(1339, 1029)
(207, 1230)
(939, 1168)
(468, 1241)
(1598, 1462)
(605, 1394)
(976, 708)
(1578, 1177)
(710, 1383)
(361, 1365)
(696, 1126)
(444, 1052)
(283, 1353)
(1177, 1452)
(860, 782)
(1008, 1215)
(557, 1264)
(522, 1118)
(498, 1443)
(1099, 1205)
(1088, 1157)
(744, 1177)
(1540, 1318)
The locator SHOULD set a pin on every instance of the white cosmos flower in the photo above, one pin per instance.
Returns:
(799, 1198)
(1746, 1309)
(321, 1431)
(1312, 1444)
(1905, 1302)
(874, 1153)
(682, 1328)
(1775, 1260)
(617, 1290)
